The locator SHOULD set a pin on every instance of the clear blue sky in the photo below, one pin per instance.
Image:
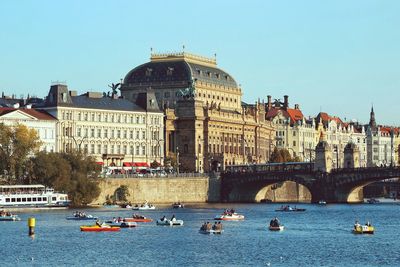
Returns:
(335, 56)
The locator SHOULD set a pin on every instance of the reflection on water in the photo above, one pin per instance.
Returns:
(320, 236)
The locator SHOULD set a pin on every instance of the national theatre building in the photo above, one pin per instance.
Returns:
(207, 126)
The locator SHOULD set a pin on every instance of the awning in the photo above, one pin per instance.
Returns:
(127, 164)
(141, 164)
(100, 162)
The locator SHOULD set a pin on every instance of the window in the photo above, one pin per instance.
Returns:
(185, 148)
(131, 134)
(118, 133)
(7, 199)
(294, 143)
(99, 133)
(105, 133)
(54, 199)
(137, 134)
(92, 116)
(92, 132)
(105, 149)
(99, 149)
(79, 132)
(143, 134)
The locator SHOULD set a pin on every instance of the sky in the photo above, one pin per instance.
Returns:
(340, 56)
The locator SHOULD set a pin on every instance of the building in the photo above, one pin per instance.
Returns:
(112, 129)
(42, 122)
(207, 126)
(339, 134)
(381, 141)
(293, 131)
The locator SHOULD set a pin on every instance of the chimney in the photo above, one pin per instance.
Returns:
(269, 103)
(286, 101)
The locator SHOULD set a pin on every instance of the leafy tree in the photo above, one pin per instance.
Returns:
(171, 161)
(282, 155)
(17, 144)
(73, 173)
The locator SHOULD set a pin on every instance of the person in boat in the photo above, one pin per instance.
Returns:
(173, 218)
(356, 224)
(203, 226)
(98, 223)
(163, 218)
(368, 224)
(219, 226)
(209, 226)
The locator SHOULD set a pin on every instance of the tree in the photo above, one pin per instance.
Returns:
(155, 165)
(171, 161)
(283, 155)
(17, 144)
(73, 173)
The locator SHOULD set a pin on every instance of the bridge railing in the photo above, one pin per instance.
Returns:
(364, 169)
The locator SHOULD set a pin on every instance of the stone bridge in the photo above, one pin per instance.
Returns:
(340, 185)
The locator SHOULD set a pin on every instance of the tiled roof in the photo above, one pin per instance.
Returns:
(293, 114)
(40, 115)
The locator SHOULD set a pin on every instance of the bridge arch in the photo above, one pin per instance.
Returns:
(290, 190)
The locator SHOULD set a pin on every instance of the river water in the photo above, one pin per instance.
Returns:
(320, 236)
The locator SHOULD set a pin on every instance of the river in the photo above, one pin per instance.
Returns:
(320, 236)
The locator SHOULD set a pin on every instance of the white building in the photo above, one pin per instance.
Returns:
(113, 130)
(42, 122)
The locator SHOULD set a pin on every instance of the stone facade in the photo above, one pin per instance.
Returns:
(206, 124)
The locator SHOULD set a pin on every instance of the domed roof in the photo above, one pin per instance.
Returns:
(181, 69)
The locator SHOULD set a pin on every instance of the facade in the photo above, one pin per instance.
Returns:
(339, 134)
(381, 142)
(206, 124)
(42, 122)
(293, 131)
(113, 130)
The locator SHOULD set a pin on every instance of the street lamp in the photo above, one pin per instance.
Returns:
(177, 159)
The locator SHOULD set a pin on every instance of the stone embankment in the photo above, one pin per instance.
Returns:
(185, 188)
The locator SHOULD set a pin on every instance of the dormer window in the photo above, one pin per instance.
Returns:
(198, 72)
(209, 74)
(148, 72)
(217, 75)
(170, 70)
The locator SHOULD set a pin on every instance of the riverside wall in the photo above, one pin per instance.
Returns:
(159, 189)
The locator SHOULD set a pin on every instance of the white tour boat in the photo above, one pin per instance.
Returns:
(31, 196)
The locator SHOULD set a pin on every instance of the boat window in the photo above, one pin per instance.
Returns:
(45, 199)
(39, 199)
(34, 199)
(18, 199)
(54, 198)
(7, 200)
(13, 200)
(24, 199)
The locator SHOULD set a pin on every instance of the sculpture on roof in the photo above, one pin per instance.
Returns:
(114, 87)
(189, 92)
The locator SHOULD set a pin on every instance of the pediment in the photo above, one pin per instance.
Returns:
(17, 115)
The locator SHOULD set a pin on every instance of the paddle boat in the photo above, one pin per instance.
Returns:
(363, 229)
(207, 232)
(123, 224)
(207, 228)
(138, 218)
(100, 228)
(173, 222)
(144, 206)
(372, 201)
(81, 216)
(274, 225)
(289, 209)
(8, 217)
(178, 205)
(322, 202)
(229, 215)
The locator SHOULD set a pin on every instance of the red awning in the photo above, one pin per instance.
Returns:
(141, 164)
(100, 162)
(127, 164)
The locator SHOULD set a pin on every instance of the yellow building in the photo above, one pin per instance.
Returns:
(207, 126)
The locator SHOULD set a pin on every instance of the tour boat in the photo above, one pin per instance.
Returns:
(97, 228)
(276, 228)
(31, 196)
(9, 218)
(81, 216)
(178, 205)
(207, 232)
(144, 206)
(138, 218)
(169, 222)
(229, 217)
(363, 229)
(289, 209)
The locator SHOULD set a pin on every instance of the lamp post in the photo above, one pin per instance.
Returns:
(177, 159)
